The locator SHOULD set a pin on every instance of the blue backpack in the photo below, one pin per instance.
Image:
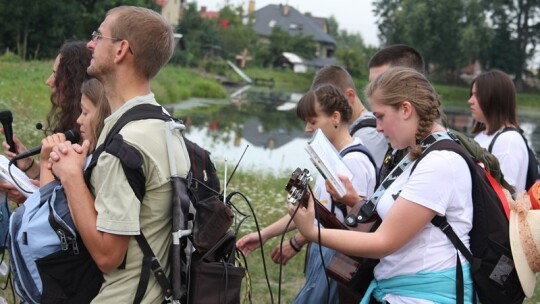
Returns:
(50, 263)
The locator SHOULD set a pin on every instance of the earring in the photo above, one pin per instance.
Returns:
(335, 126)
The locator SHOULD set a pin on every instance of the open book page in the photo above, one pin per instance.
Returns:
(23, 184)
(328, 161)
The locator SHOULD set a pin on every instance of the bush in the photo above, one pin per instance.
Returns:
(10, 57)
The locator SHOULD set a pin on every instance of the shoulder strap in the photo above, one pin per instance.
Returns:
(358, 148)
(355, 148)
(362, 149)
(367, 122)
(442, 223)
(115, 145)
(492, 143)
(129, 157)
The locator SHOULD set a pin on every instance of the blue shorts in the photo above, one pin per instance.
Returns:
(317, 289)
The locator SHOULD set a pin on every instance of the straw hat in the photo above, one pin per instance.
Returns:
(525, 241)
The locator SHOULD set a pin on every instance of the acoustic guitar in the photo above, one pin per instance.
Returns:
(355, 273)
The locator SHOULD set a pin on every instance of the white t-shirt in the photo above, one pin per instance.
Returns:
(363, 182)
(511, 151)
(441, 182)
(373, 140)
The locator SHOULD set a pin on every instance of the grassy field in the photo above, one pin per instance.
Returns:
(22, 89)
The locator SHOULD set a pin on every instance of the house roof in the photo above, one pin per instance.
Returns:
(320, 22)
(293, 22)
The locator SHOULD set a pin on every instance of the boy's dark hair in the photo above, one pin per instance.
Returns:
(398, 55)
(334, 75)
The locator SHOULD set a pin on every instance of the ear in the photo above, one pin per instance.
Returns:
(336, 117)
(122, 51)
(350, 94)
(407, 109)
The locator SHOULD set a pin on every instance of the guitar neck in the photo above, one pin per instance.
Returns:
(327, 218)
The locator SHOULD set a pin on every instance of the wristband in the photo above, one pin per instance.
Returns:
(294, 246)
(30, 166)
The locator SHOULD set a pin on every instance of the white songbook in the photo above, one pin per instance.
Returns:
(17, 178)
(328, 161)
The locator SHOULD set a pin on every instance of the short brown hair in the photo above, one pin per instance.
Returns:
(496, 96)
(398, 55)
(330, 99)
(399, 84)
(149, 35)
(335, 75)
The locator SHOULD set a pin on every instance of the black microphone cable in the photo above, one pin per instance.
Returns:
(228, 201)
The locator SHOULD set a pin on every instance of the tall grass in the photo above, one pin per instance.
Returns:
(268, 199)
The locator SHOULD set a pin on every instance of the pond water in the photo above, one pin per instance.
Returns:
(262, 126)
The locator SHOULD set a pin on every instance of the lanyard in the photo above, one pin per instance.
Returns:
(368, 209)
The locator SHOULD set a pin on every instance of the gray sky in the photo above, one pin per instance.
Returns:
(355, 16)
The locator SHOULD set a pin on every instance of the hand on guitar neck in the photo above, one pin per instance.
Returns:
(300, 197)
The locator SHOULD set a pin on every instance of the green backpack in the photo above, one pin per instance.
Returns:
(479, 154)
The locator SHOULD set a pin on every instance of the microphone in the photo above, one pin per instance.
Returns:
(7, 118)
(72, 136)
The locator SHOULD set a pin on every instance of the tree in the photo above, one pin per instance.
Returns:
(36, 29)
(434, 28)
(236, 36)
(350, 52)
(521, 19)
(200, 37)
(476, 35)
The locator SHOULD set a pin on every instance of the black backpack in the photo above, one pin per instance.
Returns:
(492, 267)
(202, 180)
(202, 185)
(533, 167)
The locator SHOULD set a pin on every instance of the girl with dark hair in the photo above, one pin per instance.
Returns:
(327, 109)
(71, 63)
(68, 73)
(493, 108)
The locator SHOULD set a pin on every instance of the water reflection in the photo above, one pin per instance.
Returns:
(265, 121)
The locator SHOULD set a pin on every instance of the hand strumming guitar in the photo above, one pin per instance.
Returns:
(304, 218)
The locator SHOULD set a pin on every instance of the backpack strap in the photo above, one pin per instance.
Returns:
(131, 161)
(367, 122)
(355, 148)
(506, 129)
(441, 221)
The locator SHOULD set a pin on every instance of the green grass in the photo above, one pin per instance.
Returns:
(269, 201)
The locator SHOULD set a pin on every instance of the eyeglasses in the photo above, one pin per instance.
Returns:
(96, 36)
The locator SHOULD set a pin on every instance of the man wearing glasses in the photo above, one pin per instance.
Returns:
(129, 48)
